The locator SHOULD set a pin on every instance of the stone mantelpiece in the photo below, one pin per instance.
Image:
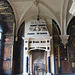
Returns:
(40, 44)
(36, 39)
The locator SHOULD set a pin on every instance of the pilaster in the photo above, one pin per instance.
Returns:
(48, 63)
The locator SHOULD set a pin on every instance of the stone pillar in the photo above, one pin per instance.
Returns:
(49, 58)
(59, 62)
(26, 57)
(48, 63)
(1, 32)
(31, 65)
(26, 63)
(52, 57)
(64, 39)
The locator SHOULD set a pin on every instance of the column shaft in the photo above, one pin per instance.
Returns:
(59, 67)
(1, 48)
(48, 68)
(48, 63)
(27, 64)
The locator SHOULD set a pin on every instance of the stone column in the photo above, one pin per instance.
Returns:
(64, 39)
(1, 32)
(25, 63)
(31, 64)
(59, 62)
(1, 45)
(48, 63)
(52, 57)
(26, 57)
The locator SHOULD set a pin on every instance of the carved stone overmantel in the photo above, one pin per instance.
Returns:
(37, 38)
(64, 39)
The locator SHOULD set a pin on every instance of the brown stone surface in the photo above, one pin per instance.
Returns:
(6, 65)
(66, 67)
(9, 40)
(7, 54)
(7, 51)
(56, 66)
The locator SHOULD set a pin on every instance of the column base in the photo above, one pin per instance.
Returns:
(25, 74)
(48, 74)
(30, 74)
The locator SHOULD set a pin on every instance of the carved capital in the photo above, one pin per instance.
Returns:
(64, 39)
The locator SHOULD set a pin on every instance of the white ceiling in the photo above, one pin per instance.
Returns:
(49, 9)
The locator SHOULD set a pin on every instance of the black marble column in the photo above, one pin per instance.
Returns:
(48, 66)
(27, 64)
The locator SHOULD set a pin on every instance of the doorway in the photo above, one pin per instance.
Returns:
(38, 62)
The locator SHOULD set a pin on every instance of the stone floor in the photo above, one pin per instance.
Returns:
(9, 73)
(65, 74)
(6, 73)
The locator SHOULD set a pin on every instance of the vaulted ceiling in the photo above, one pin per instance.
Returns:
(47, 9)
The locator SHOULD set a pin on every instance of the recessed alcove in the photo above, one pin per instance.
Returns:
(38, 62)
